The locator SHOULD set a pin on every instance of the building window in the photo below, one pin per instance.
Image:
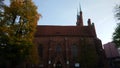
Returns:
(67, 62)
(49, 62)
(77, 65)
(58, 48)
(40, 50)
(74, 50)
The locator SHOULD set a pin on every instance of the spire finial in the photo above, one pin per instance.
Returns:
(80, 7)
(79, 16)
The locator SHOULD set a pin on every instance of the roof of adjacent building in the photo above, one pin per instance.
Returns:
(110, 50)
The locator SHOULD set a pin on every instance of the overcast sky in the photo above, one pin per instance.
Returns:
(63, 12)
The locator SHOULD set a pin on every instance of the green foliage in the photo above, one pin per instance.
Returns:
(1, 3)
(117, 14)
(1, 10)
(17, 26)
(116, 34)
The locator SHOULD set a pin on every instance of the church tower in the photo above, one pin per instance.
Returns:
(69, 46)
(79, 18)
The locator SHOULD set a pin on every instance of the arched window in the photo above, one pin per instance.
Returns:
(40, 50)
(58, 49)
(74, 50)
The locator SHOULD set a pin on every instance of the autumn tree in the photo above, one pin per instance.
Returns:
(17, 31)
(1, 9)
(116, 34)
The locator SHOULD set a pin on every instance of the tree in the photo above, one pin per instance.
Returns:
(1, 9)
(1, 4)
(117, 15)
(17, 31)
(116, 34)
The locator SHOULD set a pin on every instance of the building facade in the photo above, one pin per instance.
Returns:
(69, 46)
(111, 50)
(112, 55)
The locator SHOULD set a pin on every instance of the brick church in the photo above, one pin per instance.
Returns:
(69, 46)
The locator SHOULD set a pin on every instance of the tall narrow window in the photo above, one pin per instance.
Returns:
(74, 50)
(40, 50)
(58, 48)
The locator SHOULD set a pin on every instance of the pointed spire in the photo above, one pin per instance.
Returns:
(79, 17)
(80, 7)
(89, 22)
(77, 12)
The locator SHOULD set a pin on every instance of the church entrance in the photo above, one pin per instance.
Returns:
(58, 65)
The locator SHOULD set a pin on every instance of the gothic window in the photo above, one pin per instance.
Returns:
(74, 50)
(40, 50)
(58, 48)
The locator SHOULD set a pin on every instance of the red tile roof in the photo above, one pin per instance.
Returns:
(65, 31)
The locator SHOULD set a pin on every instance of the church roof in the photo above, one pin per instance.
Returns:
(83, 31)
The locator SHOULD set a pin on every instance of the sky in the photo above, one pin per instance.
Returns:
(64, 12)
